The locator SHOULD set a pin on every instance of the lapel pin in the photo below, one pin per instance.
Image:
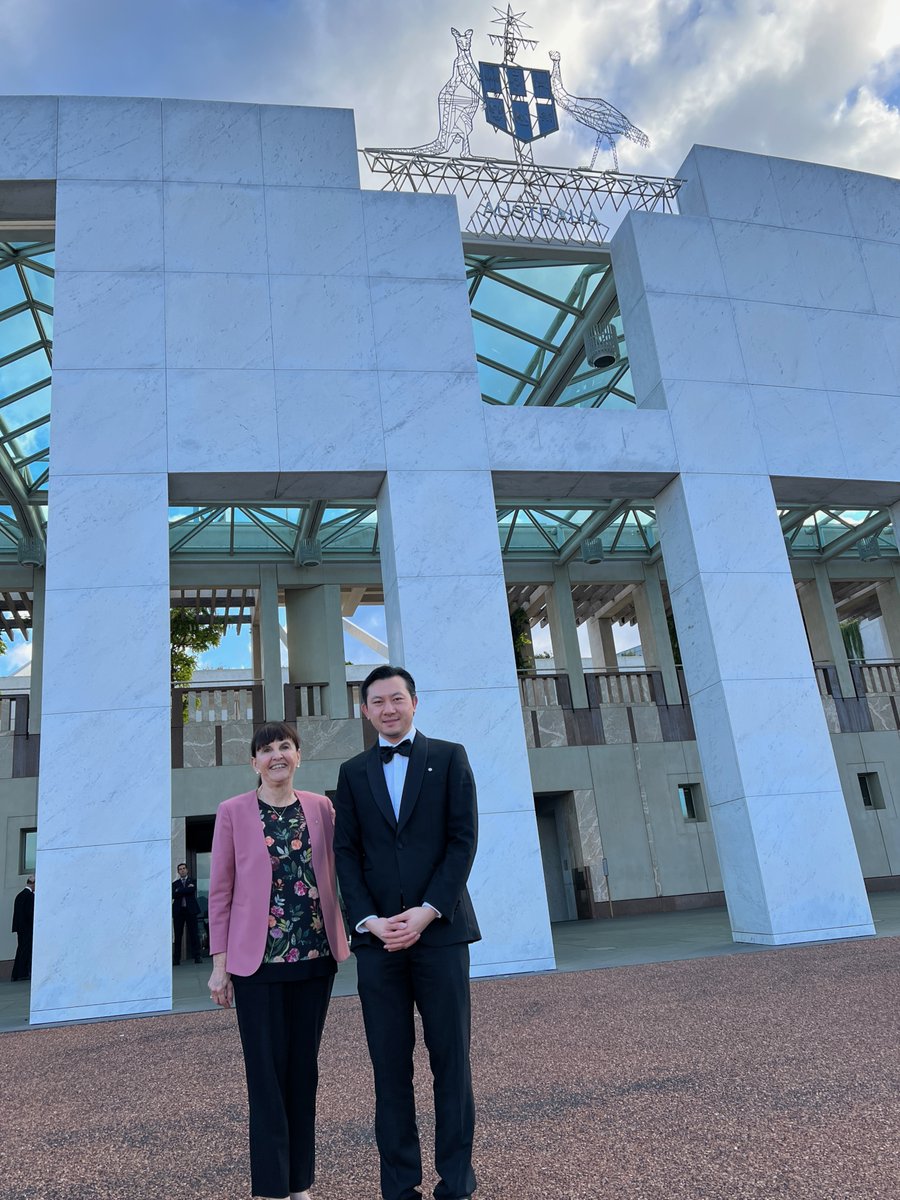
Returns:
(429, 768)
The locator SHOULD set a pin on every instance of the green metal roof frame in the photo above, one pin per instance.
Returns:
(529, 316)
(26, 354)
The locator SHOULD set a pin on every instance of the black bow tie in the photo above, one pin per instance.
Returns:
(388, 752)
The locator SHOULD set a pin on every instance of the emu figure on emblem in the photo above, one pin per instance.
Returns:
(595, 114)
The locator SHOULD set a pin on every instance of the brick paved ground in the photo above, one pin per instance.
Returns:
(763, 1076)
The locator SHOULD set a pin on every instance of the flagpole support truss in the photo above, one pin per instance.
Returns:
(523, 201)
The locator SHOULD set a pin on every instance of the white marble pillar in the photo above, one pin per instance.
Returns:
(656, 643)
(444, 590)
(564, 635)
(315, 642)
(270, 644)
(105, 778)
(775, 798)
(602, 644)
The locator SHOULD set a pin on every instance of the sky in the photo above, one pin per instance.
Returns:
(809, 79)
(812, 79)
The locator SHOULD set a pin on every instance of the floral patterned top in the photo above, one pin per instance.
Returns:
(297, 945)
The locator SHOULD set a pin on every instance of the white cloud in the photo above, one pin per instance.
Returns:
(764, 75)
(17, 656)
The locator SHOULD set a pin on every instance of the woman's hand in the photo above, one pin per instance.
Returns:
(221, 989)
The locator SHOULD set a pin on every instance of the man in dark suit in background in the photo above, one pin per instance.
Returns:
(23, 927)
(185, 911)
(405, 837)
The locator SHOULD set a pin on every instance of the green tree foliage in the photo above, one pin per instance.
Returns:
(521, 636)
(193, 631)
(853, 643)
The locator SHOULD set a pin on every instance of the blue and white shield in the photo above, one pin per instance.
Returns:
(518, 100)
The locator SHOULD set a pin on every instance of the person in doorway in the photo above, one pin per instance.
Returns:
(23, 928)
(185, 912)
(276, 936)
(405, 838)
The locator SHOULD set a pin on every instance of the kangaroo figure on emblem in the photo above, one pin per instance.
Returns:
(458, 102)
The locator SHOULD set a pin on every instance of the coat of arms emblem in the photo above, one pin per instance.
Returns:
(518, 100)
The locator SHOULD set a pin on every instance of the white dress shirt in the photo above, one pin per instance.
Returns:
(395, 771)
(395, 778)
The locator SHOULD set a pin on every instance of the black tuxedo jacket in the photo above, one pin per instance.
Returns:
(23, 912)
(386, 865)
(185, 889)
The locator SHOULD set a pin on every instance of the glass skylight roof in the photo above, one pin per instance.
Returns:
(26, 342)
(533, 530)
(831, 532)
(257, 531)
(528, 318)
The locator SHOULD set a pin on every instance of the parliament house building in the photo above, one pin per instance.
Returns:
(280, 398)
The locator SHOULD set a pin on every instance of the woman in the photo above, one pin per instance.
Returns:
(276, 936)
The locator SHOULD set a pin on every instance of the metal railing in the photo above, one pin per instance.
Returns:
(305, 700)
(545, 691)
(878, 678)
(217, 705)
(620, 687)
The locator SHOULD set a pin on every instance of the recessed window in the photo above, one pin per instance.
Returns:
(690, 801)
(870, 789)
(27, 850)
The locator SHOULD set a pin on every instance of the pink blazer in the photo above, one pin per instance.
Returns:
(240, 884)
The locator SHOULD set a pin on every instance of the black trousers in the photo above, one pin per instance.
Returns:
(180, 918)
(435, 980)
(281, 1027)
(22, 962)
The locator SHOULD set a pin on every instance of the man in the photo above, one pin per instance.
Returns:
(185, 911)
(405, 837)
(23, 927)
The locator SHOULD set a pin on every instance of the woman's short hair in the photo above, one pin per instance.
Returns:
(273, 731)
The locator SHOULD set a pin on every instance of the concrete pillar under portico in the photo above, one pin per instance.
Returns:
(602, 644)
(270, 644)
(564, 635)
(823, 629)
(315, 642)
(775, 798)
(888, 593)
(36, 688)
(656, 643)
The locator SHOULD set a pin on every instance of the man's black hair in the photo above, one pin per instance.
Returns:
(387, 672)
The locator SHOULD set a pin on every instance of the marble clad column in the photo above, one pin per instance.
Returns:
(602, 643)
(775, 798)
(444, 590)
(315, 642)
(102, 943)
(656, 642)
(564, 635)
(270, 644)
